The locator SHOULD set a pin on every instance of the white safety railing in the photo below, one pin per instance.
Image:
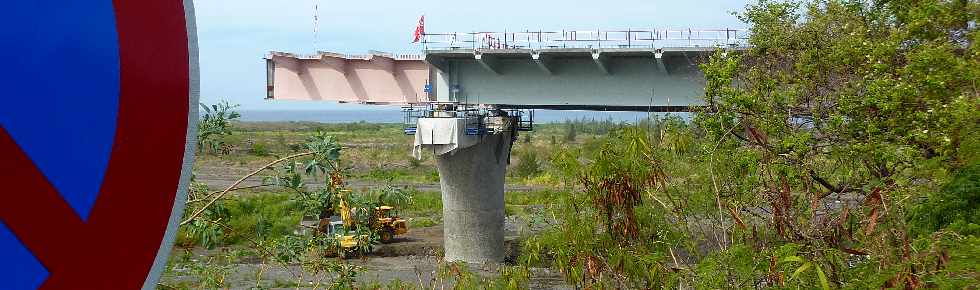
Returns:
(657, 38)
(367, 56)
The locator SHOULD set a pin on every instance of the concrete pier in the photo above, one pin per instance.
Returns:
(472, 180)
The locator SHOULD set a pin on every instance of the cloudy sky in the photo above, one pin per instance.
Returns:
(235, 34)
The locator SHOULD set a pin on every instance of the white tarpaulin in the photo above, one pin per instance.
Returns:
(441, 135)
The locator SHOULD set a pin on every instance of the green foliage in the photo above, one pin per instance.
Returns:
(570, 132)
(801, 268)
(324, 163)
(259, 149)
(424, 202)
(326, 153)
(213, 126)
(262, 216)
(956, 206)
(844, 132)
(943, 260)
(211, 273)
(874, 101)
(346, 275)
(422, 222)
(605, 236)
(528, 164)
(207, 230)
(737, 267)
(397, 197)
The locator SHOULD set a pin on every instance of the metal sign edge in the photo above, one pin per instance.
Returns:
(194, 85)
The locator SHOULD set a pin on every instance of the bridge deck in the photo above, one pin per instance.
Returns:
(620, 79)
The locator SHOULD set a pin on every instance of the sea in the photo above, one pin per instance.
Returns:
(396, 116)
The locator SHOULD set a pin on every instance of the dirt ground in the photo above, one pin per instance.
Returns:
(412, 258)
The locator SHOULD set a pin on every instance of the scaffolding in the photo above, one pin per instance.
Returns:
(481, 119)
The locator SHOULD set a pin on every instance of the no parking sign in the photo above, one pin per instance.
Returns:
(97, 122)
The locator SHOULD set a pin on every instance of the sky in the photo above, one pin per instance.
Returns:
(234, 35)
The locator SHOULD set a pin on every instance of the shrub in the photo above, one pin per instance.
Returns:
(259, 149)
(528, 164)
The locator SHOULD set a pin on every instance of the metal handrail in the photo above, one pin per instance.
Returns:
(629, 38)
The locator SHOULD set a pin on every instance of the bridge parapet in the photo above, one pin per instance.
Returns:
(628, 38)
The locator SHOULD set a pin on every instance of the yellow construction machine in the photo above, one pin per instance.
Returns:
(386, 224)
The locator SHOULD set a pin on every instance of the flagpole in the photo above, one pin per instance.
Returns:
(316, 24)
(422, 23)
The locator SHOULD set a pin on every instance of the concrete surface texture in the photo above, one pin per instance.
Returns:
(472, 181)
(368, 79)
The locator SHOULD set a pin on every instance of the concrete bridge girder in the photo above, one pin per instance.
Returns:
(615, 78)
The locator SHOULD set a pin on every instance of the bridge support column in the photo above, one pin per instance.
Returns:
(472, 181)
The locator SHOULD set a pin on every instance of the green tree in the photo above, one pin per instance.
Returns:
(844, 100)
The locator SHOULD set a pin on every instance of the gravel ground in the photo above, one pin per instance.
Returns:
(412, 258)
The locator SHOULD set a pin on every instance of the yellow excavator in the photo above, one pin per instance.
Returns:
(386, 225)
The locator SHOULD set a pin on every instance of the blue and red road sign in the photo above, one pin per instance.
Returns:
(94, 116)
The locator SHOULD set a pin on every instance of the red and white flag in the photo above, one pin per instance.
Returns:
(419, 29)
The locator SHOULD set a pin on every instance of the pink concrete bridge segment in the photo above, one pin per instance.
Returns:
(375, 78)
